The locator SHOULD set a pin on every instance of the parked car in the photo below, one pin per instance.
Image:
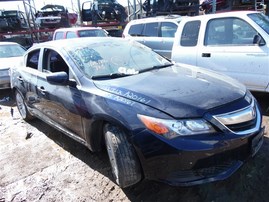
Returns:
(233, 43)
(10, 57)
(55, 16)
(178, 124)
(156, 32)
(107, 10)
(12, 20)
(77, 32)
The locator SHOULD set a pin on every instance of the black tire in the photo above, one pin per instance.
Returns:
(125, 166)
(22, 107)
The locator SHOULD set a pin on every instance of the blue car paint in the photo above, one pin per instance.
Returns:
(183, 92)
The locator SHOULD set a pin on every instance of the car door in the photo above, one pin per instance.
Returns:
(229, 48)
(59, 103)
(26, 79)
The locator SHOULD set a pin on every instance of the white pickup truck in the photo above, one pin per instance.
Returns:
(233, 43)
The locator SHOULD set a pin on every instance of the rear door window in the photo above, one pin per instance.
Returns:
(190, 33)
(151, 30)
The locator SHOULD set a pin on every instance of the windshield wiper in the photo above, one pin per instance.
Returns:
(110, 76)
(156, 67)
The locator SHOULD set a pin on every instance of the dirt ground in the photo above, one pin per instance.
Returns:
(38, 163)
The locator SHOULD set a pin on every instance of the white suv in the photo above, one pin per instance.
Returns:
(155, 32)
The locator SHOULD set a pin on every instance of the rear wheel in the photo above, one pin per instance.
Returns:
(124, 162)
(22, 107)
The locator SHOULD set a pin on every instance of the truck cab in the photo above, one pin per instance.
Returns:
(233, 43)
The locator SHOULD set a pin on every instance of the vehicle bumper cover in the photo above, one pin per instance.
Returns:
(201, 164)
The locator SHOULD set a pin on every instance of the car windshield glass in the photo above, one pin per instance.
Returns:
(261, 20)
(91, 33)
(7, 51)
(118, 57)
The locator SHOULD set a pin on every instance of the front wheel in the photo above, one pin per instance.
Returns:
(22, 107)
(124, 162)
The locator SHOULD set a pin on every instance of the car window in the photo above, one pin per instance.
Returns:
(70, 35)
(190, 33)
(229, 31)
(32, 59)
(7, 51)
(53, 62)
(92, 33)
(168, 29)
(59, 35)
(151, 29)
(128, 57)
(136, 30)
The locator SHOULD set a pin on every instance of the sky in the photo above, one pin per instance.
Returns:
(18, 5)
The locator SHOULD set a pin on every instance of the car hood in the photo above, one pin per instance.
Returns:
(181, 91)
(10, 62)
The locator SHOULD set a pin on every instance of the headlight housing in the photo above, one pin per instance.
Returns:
(174, 128)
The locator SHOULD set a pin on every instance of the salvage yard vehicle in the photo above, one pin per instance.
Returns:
(12, 20)
(55, 16)
(157, 33)
(77, 32)
(107, 11)
(10, 56)
(178, 124)
(233, 43)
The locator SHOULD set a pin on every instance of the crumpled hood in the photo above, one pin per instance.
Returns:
(181, 91)
(10, 62)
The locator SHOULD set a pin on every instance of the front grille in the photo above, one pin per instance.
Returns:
(241, 121)
(242, 126)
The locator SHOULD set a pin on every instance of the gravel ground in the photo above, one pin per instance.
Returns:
(39, 163)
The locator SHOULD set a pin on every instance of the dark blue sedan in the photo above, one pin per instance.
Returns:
(174, 123)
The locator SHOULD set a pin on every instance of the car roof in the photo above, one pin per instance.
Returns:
(170, 18)
(8, 43)
(76, 29)
(224, 14)
(75, 42)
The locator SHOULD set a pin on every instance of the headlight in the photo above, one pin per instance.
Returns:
(174, 128)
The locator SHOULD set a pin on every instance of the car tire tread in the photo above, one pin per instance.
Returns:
(127, 171)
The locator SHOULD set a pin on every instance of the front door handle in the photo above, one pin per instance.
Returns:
(206, 55)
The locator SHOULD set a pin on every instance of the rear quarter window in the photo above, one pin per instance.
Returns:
(59, 35)
(168, 29)
(136, 30)
(32, 59)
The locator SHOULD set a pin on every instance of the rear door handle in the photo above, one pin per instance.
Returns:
(206, 55)
(42, 90)
(20, 78)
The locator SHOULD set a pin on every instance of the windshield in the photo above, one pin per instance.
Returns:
(7, 51)
(116, 57)
(92, 33)
(261, 20)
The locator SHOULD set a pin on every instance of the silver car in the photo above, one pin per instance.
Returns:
(155, 32)
(10, 56)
